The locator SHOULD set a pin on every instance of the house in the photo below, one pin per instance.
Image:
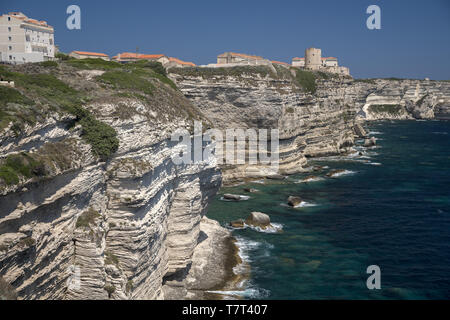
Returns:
(88, 55)
(132, 57)
(240, 58)
(298, 62)
(23, 39)
(329, 62)
(177, 63)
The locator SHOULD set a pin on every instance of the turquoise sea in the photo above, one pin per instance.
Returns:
(390, 208)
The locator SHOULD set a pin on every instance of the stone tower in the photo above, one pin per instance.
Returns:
(313, 58)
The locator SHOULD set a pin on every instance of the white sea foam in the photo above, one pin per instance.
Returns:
(274, 228)
(343, 173)
(310, 180)
(302, 204)
(249, 293)
(375, 132)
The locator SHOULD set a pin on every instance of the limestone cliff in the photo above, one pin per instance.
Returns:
(316, 113)
(82, 217)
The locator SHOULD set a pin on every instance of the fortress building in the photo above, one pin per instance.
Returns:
(313, 61)
(23, 39)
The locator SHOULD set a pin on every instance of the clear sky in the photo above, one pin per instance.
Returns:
(413, 42)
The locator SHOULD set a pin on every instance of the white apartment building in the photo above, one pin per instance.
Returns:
(25, 40)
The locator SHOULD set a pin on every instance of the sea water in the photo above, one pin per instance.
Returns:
(390, 208)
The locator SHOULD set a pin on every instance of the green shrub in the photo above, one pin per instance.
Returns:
(110, 289)
(62, 56)
(323, 75)
(87, 218)
(111, 258)
(10, 95)
(386, 108)
(236, 71)
(17, 114)
(101, 137)
(49, 64)
(93, 64)
(132, 80)
(307, 80)
(20, 165)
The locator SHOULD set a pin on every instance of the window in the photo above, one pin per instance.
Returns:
(51, 41)
(9, 29)
(10, 47)
(9, 18)
(9, 38)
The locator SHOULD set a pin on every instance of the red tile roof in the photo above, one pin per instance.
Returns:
(86, 53)
(297, 58)
(24, 18)
(176, 60)
(129, 55)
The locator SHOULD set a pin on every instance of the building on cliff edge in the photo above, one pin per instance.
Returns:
(313, 61)
(88, 55)
(23, 39)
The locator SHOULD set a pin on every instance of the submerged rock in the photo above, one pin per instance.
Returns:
(250, 190)
(310, 178)
(237, 223)
(333, 173)
(258, 219)
(370, 142)
(234, 197)
(276, 177)
(294, 201)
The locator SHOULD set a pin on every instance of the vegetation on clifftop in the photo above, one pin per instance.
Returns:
(52, 94)
(307, 80)
(386, 108)
(237, 71)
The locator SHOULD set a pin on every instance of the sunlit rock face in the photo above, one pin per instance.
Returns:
(96, 229)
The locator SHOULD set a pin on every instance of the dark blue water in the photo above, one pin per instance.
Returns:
(392, 209)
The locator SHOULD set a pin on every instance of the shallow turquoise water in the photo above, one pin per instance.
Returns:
(392, 211)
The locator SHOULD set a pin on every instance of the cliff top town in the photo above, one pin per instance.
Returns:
(24, 40)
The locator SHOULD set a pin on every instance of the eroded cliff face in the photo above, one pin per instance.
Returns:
(312, 123)
(407, 99)
(94, 229)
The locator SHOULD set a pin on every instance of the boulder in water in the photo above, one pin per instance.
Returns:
(258, 219)
(229, 196)
(333, 173)
(237, 223)
(294, 201)
(370, 142)
(250, 190)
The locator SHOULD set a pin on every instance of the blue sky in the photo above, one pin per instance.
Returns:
(413, 42)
